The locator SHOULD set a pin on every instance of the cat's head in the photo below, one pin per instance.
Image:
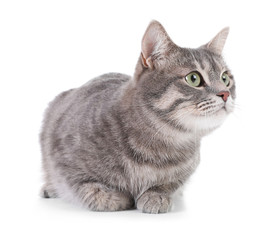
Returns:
(192, 89)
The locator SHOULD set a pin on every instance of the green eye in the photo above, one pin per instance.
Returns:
(226, 79)
(193, 79)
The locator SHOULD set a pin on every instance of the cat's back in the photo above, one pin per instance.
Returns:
(102, 87)
(103, 81)
(72, 106)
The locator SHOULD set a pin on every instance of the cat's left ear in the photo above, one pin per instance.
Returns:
(216, 45)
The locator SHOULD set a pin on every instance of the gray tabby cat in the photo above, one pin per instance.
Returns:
(121, 142)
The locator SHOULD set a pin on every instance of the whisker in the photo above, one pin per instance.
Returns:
(236, 106)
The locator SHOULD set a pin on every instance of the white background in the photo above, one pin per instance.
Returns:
(50, 46)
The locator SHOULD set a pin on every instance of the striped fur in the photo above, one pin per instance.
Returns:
(119, 142)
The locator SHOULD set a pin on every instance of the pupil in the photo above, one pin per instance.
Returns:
(224, 78)
(193, 78)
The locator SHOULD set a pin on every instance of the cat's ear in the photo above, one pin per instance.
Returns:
(155, 44)
(217, 43)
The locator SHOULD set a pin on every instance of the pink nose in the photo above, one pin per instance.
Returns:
(224, 95)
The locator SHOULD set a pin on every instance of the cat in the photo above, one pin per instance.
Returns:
(120, 142)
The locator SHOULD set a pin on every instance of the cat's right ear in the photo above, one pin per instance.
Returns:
(216, 45)
(155, 44)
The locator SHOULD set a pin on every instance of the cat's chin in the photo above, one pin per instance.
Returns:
(206, 124)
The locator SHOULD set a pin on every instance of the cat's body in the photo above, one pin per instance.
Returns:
(119, 141)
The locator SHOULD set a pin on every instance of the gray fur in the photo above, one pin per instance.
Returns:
(119, 142)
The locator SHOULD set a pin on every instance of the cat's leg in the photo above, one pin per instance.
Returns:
(48, 190)
(157, 199)
(98, 197)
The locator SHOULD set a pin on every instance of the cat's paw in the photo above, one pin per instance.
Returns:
(48, 191)
(98, 197)
(152, 202)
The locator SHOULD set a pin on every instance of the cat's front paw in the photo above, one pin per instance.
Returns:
(152, 202)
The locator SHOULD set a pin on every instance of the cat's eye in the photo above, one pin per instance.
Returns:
(193, 79)
(225, 79)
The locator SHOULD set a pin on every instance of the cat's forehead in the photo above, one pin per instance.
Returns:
(200, 59)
